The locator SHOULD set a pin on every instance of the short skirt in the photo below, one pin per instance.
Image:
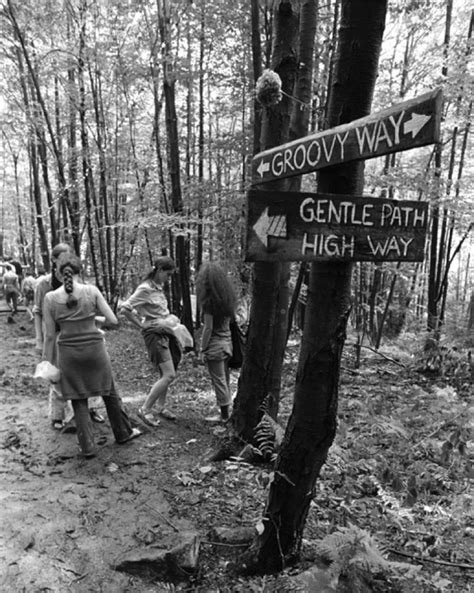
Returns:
(162, 346)
(85, 366)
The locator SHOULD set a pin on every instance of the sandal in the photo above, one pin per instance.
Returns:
(57, 424)
(148, 417)
(136, 432)
(165, 413)
(96, 417)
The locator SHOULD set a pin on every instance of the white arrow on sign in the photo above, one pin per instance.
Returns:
(263, 168)
(414, 125)
(270, 226)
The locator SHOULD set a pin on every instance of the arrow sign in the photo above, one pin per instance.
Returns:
(294, 226)
(266, 226)
(263, 168)
(404, 126)
(415, 124)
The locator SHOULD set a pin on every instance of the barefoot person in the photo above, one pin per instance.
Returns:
(147, 308)
(82, 357)
(217, 302)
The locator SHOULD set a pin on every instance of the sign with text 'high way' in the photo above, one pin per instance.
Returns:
(297, 226)
(407, 125)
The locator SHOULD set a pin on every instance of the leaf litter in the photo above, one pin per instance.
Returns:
(398, 475)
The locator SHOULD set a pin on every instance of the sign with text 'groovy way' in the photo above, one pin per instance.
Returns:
(407, 125)
(292, 226)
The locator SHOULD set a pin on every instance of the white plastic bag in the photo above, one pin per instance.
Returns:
(47, 371)
(182, 334)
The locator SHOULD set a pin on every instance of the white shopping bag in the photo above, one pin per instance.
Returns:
(47, 371)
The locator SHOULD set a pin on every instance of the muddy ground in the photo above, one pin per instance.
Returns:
(66, 521)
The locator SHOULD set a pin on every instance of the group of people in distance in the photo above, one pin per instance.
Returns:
(69, 315)
(17, 287)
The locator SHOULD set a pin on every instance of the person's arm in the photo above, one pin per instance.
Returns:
(49, 332)
(40, 293)
(128, 307)
(208, 324)
(105, 310)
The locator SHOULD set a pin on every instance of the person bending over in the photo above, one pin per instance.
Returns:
(147, 308)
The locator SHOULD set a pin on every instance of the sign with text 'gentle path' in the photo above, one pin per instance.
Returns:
(296, 226)
(407, 125)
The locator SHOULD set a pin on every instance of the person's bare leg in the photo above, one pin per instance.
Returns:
(158, 391)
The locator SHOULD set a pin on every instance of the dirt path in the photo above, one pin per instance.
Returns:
(65, 520)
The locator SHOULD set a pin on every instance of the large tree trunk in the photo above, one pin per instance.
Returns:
(267, 330)
(312, 425)
(173, 157)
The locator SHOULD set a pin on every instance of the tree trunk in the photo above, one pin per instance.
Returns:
(437, 236)
(268, 315)
(173, 158)
(312, 425)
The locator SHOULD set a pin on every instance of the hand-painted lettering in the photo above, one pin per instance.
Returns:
(328, 245)
(342, 141)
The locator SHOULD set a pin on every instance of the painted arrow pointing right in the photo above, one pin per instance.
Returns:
(414, 125)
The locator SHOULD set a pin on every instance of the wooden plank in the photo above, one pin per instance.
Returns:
(407, 125)
(294, 226)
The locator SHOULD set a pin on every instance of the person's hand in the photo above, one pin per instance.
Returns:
(99, 321)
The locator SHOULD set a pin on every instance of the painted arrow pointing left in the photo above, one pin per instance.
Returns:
(263, 168)
(270, 226)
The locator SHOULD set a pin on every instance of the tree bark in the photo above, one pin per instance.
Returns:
(312, 425)
(173, 158)
(267, 329)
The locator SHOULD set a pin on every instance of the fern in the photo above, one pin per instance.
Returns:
(268, 436)
(352, 547)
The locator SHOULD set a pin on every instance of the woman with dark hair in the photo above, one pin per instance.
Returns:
(81, 354)
(147, 308)
(60, 412)
(217, 302)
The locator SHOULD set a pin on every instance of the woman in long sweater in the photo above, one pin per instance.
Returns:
(81, 354)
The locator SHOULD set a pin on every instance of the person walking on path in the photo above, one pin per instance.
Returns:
(82, 358)
(60, 411)
(147, 308)
(11, 289)
(28, 293)
(217, 302)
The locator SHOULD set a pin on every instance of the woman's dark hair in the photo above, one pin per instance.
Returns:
(56, 252)
(215, 292)
(163, 263)
(69, 265)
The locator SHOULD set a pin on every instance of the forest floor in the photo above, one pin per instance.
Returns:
(396, 481)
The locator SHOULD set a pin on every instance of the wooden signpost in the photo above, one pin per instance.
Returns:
(406, 125)
(296, 226)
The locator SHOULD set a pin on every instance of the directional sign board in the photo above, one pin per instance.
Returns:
(296, 226)
(406, 125)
